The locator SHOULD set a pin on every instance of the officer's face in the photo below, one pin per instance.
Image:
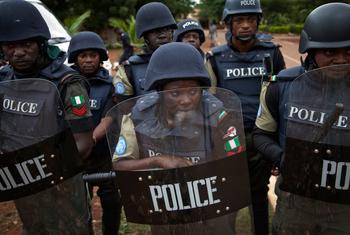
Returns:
(244, 25)
(22, 55)
(192, 38)
(157, 37)
(88, 62)
(327, 57)
(182, 95)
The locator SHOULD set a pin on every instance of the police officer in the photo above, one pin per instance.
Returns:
(87, 51)
(238, 66)
(190, 31)
(24, 41)
(182, 73)
(155, 23)
(296, 214)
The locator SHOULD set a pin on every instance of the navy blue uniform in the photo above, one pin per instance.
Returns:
(242, 72)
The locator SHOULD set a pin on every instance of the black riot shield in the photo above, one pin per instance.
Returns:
(201, 197)
(39, 161)
(316, 163)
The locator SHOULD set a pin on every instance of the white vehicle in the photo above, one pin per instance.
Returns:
(59, 35)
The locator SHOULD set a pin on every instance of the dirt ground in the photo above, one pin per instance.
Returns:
(10, 224)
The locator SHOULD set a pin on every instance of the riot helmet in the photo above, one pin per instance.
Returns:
(186, 26)
(185, 63)
(20, 20)
(239, 7)
(86, 40)
(151, 16)
(326, 27)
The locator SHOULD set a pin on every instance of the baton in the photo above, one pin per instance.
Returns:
(98, 177)
(339, 108)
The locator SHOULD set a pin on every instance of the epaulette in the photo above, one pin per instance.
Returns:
(219, 49)
(139, 59)
(266, 44)
(290, 74)
(264, 37)
(103, 75)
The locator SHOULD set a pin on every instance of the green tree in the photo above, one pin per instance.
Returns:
(129, 27)
(74, 24)
(211, 10)
(277, 12)
(103, 10)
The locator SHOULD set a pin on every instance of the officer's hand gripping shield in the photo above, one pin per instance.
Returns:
(316, 163)
(39, 160)
(199, 199)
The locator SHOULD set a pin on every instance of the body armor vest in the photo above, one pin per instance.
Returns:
(285, 78)
(192, 140)
(138, 65)
(242, 74)
(100, 87)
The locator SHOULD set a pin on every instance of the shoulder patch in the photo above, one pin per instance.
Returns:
(77, 101)
(121, 147)
(219, 49)
(81, 111)
(270, 78)
(222, 116)
(79, 107)
(119, 88)
(231, 132)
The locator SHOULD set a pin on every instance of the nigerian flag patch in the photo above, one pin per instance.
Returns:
(222, 115)
(232, 144)
(77, 100)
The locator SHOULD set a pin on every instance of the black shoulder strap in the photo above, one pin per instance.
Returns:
(71, 78)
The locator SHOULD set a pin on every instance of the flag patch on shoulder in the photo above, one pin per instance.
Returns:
(232, 144)
(222, 115)
(231, 132)
(77, 101)
(81, 111)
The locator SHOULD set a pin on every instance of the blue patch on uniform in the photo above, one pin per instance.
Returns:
(121, 147)
(120, 88)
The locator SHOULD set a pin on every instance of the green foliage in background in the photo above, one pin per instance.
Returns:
(103, 10)
(74, 24)
(129, 27)
(275, 12)
(287, 28)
